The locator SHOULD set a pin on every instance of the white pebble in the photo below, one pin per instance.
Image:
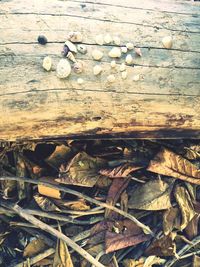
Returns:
(97, 54)
(97, 69)
(80, 81)
(124, 74)
(75, 37)
(82, 49)
(111, 78)
(124, 49)
(116, 40)
(129, 46)
(113, 64)
(71, 46)
(129, 59)
(63, 69)
(107, 39)
(99, 39)
(47, 63)
(115, 52)
(136, 78)
(122, 67)
(167, 42)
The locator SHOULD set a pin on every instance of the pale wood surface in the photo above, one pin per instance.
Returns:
(35, 104)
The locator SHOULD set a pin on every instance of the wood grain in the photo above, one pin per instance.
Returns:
(36, 104)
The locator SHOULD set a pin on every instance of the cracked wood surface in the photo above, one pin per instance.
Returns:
(36, 104)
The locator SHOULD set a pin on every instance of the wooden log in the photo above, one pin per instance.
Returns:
(164, 103)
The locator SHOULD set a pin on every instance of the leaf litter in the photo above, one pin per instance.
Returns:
(124, 202)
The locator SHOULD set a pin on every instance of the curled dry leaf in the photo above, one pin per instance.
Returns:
(185, 204)
(151, 260)
(168, 163)
(154, 195)
(115, 190)
(60, 155)
(62, 256)
(196, 261)
(48, 191)
(120, 171)
(165, 246)
(133, 262)
(82, 170)
(45, 203)
(192, 227)
(171, 220)
(35, 247)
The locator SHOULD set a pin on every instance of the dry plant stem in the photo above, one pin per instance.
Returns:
(37, 258)
(145, 228)
(189, 254)
(54, 232)
(187, 247)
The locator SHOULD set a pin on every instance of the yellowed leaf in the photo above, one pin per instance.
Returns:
(45, 203)
(62, 256)
(151, 260)
(154, 195)
(34, 247)
(168, 163)
(184, 201)
(196, 261)
(171, 220)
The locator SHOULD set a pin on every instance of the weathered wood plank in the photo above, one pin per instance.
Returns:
(165, 103)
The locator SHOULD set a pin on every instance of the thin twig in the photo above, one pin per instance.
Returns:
(37, 258)
(145, 228)
(54, 232)
(181, 252)
(189, 254)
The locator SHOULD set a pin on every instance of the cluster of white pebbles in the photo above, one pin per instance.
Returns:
(73, 45)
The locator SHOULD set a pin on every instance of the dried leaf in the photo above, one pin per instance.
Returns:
(45, 203)
(60, 155)
(62, 256)
(122, 234)
(35, 247)
(120, 171)
(151, 260)
(48, 191)
(192, 227)
(133, 263)
(82, 170)
(165, 246)
(171, 220)
(185, 204)
(116, 189)
(154, 195)
(196, 261)
(168, 163)
(79, 204)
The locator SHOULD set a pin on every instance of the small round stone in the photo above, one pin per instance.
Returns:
(111, 78)
(122, 67)
(124, 49)
(97, 54)
(80, 81)
(113, 64)
(97, 70)
(42, 39)
(129, 46)
(82, 49)
(124, 74)
(129, 59)
(47, 63)
(63, 69)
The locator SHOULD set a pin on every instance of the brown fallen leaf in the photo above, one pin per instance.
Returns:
(59, 156)
(122, 234)
(82, 170)
(184, 201)
(171, 220)
(120, 171)
(168, 163)
(45, 203)
(116, 189)
(165, 246)
(192, 227)
(62, 256)
(154, 195)
(34, 247)
(79, 204)
(152, 260)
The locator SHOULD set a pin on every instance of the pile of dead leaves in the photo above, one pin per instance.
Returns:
(100, 203)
